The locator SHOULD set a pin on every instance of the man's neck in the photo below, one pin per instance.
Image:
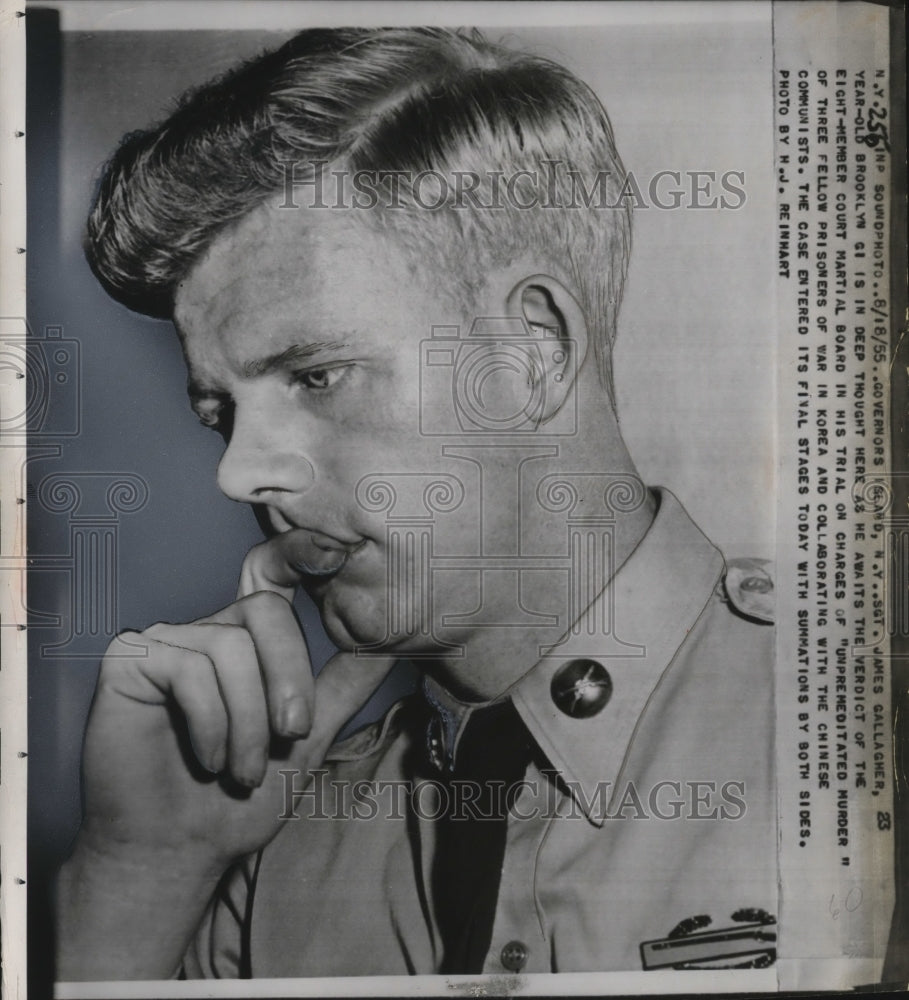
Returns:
(495, 657)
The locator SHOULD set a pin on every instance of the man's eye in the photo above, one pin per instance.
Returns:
(321, 378)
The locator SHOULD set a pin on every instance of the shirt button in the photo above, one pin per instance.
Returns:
(757, 584)
(434, 743)
(514, 956)
(581, 688)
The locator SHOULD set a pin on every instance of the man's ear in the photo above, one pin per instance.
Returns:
(554, 316)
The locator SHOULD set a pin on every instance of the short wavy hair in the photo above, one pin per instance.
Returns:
(397, 101)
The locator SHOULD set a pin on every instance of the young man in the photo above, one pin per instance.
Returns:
(395, 260)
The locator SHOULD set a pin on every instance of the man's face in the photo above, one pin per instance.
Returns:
(302, 333)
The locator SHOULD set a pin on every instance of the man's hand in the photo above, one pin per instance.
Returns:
(188, 729)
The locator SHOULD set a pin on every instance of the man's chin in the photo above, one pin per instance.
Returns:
(350, 627)
(357, 619)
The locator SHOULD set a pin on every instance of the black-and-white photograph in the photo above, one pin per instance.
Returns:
(462, 543)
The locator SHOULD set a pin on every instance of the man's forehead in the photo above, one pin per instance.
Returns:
(281, 277)
(269, 252)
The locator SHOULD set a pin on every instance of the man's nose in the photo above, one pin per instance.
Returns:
(263, 456)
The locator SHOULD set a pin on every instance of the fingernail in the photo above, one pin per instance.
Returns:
(250, 770)
(213, 762)
(294, 718)
(253, 775)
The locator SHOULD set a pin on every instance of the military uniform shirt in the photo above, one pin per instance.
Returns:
(643, 835)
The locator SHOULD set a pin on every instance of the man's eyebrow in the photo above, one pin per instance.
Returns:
(199, 390)
(294, 353)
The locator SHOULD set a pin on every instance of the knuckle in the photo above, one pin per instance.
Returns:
(255, 552)
(231, 641)
(128, 636)
(128, 640)
(265, 600)
(192, 659)
(155, 630)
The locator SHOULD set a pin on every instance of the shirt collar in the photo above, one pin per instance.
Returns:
(650, 604)
(633, 628)
(449, 721)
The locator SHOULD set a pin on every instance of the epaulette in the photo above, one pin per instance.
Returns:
(748, 586)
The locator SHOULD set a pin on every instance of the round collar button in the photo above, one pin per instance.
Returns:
(581, 688)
